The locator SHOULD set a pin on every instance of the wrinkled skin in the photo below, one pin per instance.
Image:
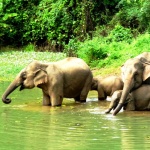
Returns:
(138, 99)
(106, 86)
(135, 72)
(70, 78)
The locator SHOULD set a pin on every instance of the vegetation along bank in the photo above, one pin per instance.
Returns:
(103, 33)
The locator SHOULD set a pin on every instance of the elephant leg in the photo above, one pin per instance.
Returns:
(77, 99)
(86, 89)
(101, 93)
(56, 100)
(83, 98)
(46, 100)
(148, 107)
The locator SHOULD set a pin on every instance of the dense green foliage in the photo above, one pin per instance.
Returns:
(56, 22)
(99, 52)
(95, 30)
(51, 22)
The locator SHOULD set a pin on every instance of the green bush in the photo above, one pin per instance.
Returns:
(29, 48)
(71, 48)
(99, 53)
(92, 50)
(119, 33)
(141, 44)
(102, 51)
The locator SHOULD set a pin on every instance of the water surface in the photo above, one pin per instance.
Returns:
(27, 125)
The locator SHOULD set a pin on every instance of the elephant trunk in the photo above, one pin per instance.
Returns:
(10, 89)
(113, 106)
(108, 110)
(120, 105)
(114, 101)
(126, 89)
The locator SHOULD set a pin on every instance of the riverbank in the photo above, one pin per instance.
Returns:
(13, 61)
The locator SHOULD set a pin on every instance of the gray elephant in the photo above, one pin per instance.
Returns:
(138, 99)
(69, 78)
(106, 86)
(135, 72)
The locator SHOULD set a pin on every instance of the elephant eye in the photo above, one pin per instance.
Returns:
(135, 75)
(24, 75)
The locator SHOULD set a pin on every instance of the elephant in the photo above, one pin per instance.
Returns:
(138, 99)
(106, 86)
(134, 72)
(69, 78)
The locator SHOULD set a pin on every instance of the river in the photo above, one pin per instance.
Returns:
(27, 125)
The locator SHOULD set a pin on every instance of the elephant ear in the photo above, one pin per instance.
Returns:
(146, 73)
(40, 77)
(94, 84)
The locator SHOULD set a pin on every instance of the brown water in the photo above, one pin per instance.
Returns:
(27, 125)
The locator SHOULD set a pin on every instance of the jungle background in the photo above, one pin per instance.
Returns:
(102, 32)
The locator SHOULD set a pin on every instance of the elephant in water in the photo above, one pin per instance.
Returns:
(106, 86)
(138, 99)
(69, 78)
(135, 72)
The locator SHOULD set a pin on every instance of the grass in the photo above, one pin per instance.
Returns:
(13, 61)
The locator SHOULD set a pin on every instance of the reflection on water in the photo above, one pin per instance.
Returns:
(26, 124)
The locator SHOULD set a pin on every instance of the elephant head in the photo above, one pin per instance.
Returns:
(134, 72)
(94, 85)
(114, 100)
(33, 75)
(128, 104)
(95, 82)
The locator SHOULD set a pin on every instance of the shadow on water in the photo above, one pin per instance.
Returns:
(26, 124)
